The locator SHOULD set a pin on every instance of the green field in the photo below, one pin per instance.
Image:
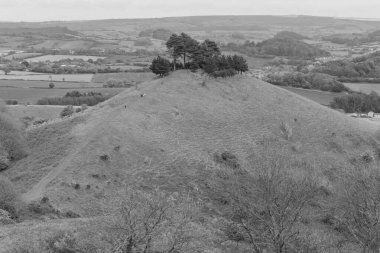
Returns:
(364, 87)
(21, 56)
(32, 95)
(321, 97)
(136, 77)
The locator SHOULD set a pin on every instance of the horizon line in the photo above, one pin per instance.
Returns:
(194, 16)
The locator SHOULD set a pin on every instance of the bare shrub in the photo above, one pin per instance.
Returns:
(228, 159)
(357, 210)
(286, 131)
(266, 210)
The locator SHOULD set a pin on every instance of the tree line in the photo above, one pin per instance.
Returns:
(359, 68)
(357, 102)
(310, 80)
(284, 43)
(188, 53)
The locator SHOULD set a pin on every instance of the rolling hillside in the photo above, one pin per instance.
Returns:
(170, 137)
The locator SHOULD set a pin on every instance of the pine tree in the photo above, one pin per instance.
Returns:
(210, 65)
(239, 64)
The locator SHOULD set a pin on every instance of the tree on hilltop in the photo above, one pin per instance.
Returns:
(160, 66)
(182, 46)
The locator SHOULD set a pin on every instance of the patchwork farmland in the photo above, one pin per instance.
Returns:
(54, 58)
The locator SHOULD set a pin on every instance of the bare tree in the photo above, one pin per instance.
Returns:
(357, 212)
(266, 209)
(147, 222)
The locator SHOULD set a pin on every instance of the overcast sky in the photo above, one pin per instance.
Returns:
(47, 10)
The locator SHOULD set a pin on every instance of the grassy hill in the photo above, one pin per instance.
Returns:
(171, 140)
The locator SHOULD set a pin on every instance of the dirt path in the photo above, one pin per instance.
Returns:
(81, 131)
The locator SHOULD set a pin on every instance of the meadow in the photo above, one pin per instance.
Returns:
(136, 77)
(321, 97)
(29, 76)
(364, 87)
(21, 56)
(45, 84)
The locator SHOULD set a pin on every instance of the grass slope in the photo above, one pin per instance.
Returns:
(177, 127)
(169, 139)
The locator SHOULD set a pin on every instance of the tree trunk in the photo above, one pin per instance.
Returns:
(128, 249)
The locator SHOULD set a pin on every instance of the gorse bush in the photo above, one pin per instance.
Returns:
(8, 197)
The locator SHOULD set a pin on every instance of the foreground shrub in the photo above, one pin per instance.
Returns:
(153, 223)
(8, 197)
(356, 212)
(266, 208)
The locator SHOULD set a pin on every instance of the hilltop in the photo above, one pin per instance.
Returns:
(170, 138)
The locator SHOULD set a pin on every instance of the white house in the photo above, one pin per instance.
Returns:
(374, 115)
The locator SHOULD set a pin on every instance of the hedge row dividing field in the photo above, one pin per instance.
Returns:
(47, 77)
(31, 96)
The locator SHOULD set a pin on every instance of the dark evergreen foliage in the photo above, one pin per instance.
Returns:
(160, 66)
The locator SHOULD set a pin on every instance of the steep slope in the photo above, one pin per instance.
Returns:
(169, 138)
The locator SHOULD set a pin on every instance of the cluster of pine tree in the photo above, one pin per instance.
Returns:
(187, 53)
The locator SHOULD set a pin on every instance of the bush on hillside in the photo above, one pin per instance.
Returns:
(11, 102)
(116, 83)
(8, 197)
(67, 111)
(11, 139)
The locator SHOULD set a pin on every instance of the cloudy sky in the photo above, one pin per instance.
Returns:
(44, 10)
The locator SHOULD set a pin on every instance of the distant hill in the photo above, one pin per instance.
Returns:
(354, 38)
(207, 23)
(289, 45)
(51, 32)
(289, 35)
